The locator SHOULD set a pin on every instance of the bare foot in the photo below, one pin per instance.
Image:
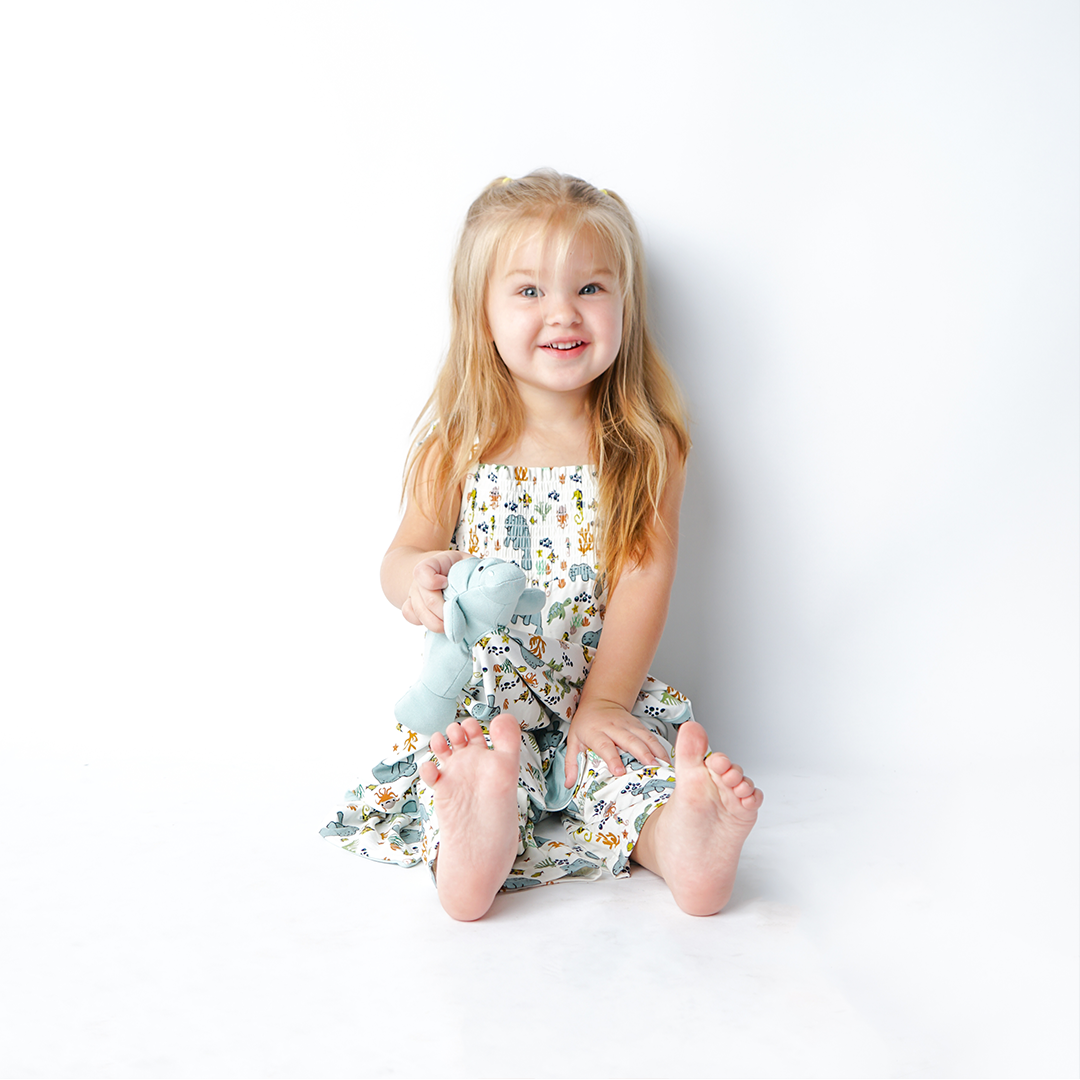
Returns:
(694, 840)
(476, 804)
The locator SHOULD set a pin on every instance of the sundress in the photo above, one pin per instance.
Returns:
(545, 520)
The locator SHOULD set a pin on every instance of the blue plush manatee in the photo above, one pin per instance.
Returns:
(519, 538)
(385, 773)
(480, 595)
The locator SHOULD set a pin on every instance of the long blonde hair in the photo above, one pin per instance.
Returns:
(475, 407)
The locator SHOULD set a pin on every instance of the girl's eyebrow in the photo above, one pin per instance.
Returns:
(601, 271)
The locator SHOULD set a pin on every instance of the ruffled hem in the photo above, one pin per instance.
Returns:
(538, 681)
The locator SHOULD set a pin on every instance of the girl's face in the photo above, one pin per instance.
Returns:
(557, 324)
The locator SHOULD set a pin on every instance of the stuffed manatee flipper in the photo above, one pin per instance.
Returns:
(480, 595)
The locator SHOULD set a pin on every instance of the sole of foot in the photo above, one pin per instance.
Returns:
(700, 831)
(476, 806)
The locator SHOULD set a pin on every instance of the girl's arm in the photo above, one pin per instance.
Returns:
(633, 623)
(414, 569)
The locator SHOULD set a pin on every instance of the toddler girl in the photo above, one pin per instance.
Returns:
(555, 439)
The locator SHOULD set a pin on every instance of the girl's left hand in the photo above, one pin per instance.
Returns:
(607, 729)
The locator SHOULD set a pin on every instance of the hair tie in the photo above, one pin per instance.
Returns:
(604, 190)
(506, 179)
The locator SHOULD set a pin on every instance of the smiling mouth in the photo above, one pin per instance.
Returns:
(563, 346)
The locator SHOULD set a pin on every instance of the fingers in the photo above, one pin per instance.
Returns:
(607, 750)
(425, 600)
(448, 558)
(656, 748)
(424, 608)
(646, 747)
(430, 575)
(611, 733)
(573, 748)
(611, 754)
(431, 572)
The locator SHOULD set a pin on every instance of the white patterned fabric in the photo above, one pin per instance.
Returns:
(543, 519)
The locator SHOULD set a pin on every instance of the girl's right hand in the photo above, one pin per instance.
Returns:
(424, 604)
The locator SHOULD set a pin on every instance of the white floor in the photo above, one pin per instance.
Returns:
(185, 920)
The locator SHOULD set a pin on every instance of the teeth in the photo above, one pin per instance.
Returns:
(565, 345)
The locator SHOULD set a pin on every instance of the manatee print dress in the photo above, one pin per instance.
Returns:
(544, 519)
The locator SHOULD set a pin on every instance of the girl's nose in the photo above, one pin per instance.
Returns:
(561, 310)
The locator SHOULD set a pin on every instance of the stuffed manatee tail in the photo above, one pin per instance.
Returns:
(424, 711)
(430, 704)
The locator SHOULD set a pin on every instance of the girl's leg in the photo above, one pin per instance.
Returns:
(477, 809)
(694, 840)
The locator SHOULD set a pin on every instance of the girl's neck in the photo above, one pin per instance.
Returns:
(554, 440)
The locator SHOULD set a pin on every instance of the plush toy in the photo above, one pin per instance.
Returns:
(480, 595)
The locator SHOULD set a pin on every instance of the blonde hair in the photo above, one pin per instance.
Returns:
(475, 407)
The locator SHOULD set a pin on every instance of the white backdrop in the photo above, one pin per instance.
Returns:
(227, 240)
(224, 241)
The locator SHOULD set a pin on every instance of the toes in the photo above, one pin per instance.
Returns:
(439, 746)
(733, 777)
(753, 802)
(744, 789)
(456, 737)
(472, 730)
(505, 733)
(692, 744)
(429, 773)
(718, 763)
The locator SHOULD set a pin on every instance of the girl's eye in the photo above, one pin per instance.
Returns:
(530, 292)
(590, 290)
